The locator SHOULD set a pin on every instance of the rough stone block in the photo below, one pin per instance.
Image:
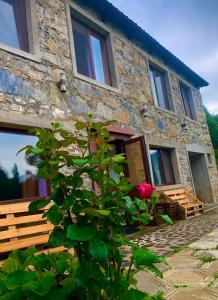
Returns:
(13, 84)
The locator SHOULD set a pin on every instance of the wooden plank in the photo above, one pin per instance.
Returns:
(178, 197)
(19, 244)
(17, 208)
(52, 250)
(174, 192)
(21, 220)
(6, 234)
(11, 227)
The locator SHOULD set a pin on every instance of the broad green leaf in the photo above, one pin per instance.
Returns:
(14, 295)
(58, 196)
(54, 162)
(55, 217)
(80, 125)
(96, 212)
(140, 203)
(118, 158)
(18, 279)
(37, 150)
(57, 237)
(77, 233)
(145, 219)
(79, 161)
(42, 286)
(38, 204)
(146, 257)
(118, 169)
(167, 219)
(98, 249)
(155, 270)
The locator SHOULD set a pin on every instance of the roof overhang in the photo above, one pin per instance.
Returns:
(108, 13)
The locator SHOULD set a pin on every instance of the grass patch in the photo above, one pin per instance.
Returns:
(177, 250)
(216, 248)
(177, 286)
(215, 276)
(205, 260)
(211, 283)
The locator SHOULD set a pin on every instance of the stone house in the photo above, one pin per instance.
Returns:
(106, 64)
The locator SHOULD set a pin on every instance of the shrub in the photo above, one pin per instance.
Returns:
(91, 222)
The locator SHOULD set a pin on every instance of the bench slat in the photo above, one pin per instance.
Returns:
(17, 208)
(6, 234)
(28, 242)
(21, 220)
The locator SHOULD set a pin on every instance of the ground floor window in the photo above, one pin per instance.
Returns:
(162, 167)
(18, 177)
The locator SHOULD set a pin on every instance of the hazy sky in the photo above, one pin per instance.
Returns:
(188, 28)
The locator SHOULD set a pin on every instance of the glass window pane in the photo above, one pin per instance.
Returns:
(153, 89)
(187, 102)
(82, 49)
(156, 167)
(18, 179)
(13, 24)
(97, 59)
(8, 27)
(167, 166)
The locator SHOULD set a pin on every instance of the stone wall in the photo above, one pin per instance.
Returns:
(29, 90)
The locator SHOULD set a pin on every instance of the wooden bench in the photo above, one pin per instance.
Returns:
(189, 204)
(21, 229)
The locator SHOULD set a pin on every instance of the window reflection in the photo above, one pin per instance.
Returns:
(13, 24)
(18, 179)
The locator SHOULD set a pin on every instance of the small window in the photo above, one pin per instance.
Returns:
(187, 101)
(90, 52)
(159, 88)
(13, 24)
(18, 175)
(162, 167)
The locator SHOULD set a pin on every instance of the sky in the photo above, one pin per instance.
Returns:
(189, 29)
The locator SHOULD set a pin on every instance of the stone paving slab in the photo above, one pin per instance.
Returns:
(187, 277)
(191, 294)
(189, 274)
(149, 283)
(205, 253)
(166, 239)
(182, 262)
(211, 267)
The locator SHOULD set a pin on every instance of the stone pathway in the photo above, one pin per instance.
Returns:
(191, 273)
(165, 239)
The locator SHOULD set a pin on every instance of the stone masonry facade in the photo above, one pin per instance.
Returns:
(30, 96)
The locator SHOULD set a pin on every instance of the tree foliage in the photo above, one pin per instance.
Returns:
(212, 121)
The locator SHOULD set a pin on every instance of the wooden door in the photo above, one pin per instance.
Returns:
(138, 166)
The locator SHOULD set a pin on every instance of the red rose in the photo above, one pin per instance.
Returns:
(145, 190)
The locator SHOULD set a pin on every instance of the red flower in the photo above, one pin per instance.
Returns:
(145, 190)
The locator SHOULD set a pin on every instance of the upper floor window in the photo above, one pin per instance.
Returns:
(18, 174)
(90, 52)
(13, 24)
(159, 87)
(162, 167)
(187, 101)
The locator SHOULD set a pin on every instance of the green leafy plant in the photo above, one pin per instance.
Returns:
(90, 221)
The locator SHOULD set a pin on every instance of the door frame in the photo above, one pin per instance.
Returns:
(198, 150)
